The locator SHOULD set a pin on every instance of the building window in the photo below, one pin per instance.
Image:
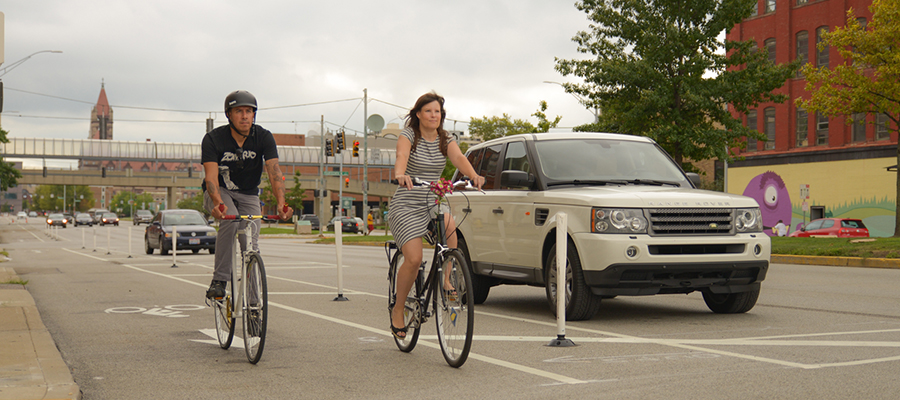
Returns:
(769, 114)
(802, 2)
(802, 128)
(881, 127)
(802, 49)
(770, 48)
(751, 123)
(770, 6)
(755, 10)
(821, 129)
(821, 53)
(859, 127)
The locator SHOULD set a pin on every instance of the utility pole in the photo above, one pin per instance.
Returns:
(365, 182)
(321, 181)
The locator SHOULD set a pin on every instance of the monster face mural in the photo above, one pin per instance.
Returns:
(774, 201)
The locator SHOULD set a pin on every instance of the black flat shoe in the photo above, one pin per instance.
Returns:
(398, 331)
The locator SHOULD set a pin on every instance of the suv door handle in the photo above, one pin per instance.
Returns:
(497, 210)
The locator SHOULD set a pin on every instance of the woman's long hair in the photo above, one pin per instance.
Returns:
(412, 120)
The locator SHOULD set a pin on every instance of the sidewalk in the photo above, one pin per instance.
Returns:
(30, 364)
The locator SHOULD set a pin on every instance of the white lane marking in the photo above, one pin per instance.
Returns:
(32, 233)
(236, 342)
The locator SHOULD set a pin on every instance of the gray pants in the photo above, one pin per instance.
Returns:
(237, 203)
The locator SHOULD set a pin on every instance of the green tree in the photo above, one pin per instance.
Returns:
(294, 196)
(657, 71)
(50, 198)
(487, 128)
(122, 198)
(193, 203)
(868, 79)
(9, 175)
(449, 169)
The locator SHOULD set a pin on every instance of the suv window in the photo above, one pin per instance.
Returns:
(516, 159)
(488, 166)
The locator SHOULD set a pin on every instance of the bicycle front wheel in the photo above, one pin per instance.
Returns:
(256, 308)
(454, 312)
(410, 307)
(224, 314)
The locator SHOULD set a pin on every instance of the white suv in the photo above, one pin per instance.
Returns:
(636, 223)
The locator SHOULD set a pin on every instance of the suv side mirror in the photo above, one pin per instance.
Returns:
(515, 179)
(694, 178)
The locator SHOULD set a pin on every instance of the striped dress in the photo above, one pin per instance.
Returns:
(410, 210)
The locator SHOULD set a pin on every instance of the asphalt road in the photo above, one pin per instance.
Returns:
(135, 328)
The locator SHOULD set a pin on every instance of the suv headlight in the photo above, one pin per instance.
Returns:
(747, 220)
(618, 220)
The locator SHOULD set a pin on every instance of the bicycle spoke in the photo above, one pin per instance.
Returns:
(255, 308)
(454, 313)
(411, 308)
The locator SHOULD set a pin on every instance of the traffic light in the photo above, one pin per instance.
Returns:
(103, 172)
(341, 140)
(45, 172)
(328, 148)
(346, 182)
(356, 148)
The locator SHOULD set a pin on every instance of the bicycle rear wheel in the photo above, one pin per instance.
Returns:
(410, 306)
(454, 315)
(256, 308)
(223, 309)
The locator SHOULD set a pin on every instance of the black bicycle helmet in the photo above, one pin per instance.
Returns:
(239, 98)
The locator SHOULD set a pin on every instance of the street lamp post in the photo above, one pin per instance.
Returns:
(5, 70)
(581, 100)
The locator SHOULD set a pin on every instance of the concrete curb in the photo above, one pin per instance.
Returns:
(837, 261)
(31, 363)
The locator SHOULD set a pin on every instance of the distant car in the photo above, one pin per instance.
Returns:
(109, 219)
(21, 215)
(313, 220)
(834, 227)
(83, 219)
(57, 220)
(142, 217)
(348, 224)
(97, 214)
(32, 214)
(194, 232)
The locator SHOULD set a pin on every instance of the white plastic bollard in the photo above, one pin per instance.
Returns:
(562, 257)
(82, 238)
(338, 244)
(174, 242)
(108, 239)
(129, 241)
(94, 230)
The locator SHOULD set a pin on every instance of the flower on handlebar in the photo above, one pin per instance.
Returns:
(441, 188)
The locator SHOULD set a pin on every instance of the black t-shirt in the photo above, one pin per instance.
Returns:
(239, 172)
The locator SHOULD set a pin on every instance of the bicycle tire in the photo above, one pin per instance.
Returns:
(454, 317)
(255, 315)
(224, 314)
(411, 307)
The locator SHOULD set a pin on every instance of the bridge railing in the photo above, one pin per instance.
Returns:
(57, 148)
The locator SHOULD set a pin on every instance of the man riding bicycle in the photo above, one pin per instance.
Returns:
(233, 158)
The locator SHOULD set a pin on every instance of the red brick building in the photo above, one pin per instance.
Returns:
(845, 163)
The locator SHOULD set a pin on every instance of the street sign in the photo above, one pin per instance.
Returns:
(346, 202)
(804, 191)
(336, 173)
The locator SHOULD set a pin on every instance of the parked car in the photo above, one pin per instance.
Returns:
(83, 219)
(109, 219)
(313, 220)
(833, 227)
(636, 224)
(21, 215)
(142, 217)
(194, 233)
(32, 214)
(57, 220)
(347, 225)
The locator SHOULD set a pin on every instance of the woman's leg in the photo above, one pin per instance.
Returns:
(450, 230)
(406, 276)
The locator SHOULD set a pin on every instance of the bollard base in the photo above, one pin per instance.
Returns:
(340, 297)
(174, 266)
(561, 341)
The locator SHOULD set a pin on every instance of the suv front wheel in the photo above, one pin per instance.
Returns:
(481, 285)
(731, 303)
(581, 303)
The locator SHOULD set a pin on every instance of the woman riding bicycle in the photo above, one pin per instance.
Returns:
(422, 151)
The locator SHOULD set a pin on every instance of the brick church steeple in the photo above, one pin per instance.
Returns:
(101, 117)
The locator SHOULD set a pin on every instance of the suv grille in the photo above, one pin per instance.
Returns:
(684, 221)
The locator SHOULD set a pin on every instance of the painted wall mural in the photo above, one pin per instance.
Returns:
(861, 189)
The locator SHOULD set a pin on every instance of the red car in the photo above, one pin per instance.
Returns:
(834, 227)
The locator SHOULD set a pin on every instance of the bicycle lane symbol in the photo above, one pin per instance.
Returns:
(173, 311)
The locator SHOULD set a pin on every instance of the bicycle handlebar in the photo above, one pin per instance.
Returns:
(222, 208)
(465, 183)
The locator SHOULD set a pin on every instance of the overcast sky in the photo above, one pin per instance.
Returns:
(486, 57)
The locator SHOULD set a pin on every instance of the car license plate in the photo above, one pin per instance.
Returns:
(193, 241)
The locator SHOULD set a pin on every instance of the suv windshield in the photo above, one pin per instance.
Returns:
(601, 161)
(184, 219)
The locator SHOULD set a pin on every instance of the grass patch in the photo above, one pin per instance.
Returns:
(837, 247)
(357, 239)
(4, 252)
(14, 282)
